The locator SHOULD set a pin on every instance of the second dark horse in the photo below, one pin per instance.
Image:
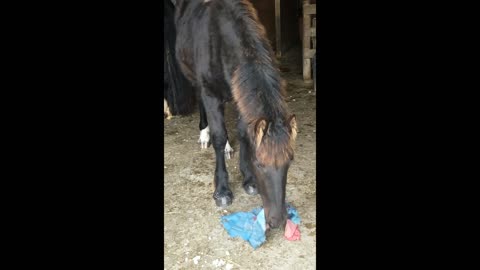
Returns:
(223, 50)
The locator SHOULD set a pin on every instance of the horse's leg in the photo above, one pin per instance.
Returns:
(166, 110)
(215, 114)
(249, 181)
(204, 138)
(228, 150)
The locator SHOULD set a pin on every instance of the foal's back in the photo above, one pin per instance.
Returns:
(215, 37)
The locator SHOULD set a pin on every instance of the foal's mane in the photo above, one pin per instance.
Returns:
(258, 90)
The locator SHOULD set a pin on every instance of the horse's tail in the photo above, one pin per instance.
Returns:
(177, 90)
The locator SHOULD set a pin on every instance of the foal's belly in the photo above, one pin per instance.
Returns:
(205, 71)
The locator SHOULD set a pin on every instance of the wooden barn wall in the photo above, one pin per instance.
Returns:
(289, 11)
(289, 24)
(266, 14)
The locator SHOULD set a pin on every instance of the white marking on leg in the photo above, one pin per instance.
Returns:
(228, 150)
(204, 137)
(166, 109)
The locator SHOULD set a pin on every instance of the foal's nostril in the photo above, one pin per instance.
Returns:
(275, 222)
(273, 225)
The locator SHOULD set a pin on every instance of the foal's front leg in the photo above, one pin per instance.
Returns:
(214, 110)
(249, 181)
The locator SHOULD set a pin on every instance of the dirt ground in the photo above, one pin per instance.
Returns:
(194, 235)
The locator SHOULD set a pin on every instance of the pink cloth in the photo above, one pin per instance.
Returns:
(292, 233)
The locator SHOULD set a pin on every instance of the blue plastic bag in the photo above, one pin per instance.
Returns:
(250, 226)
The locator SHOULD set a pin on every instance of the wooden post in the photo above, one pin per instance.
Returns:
(314, 33)
(314, 60)
(278, 35)
(307, 22)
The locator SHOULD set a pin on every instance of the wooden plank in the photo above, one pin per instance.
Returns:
(308, 53)
(307, 21)
(314, 32)
(309, 9)
(307, 69)
(314, 60)
(278, 36)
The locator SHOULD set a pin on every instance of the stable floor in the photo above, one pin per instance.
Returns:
(194, 235)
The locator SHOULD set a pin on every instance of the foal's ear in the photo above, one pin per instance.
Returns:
(260, 128)
(292, 122)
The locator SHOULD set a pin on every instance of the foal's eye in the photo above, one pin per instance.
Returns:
(259, 165)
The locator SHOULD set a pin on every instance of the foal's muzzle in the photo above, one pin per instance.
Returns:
(276, 223)
(277, 220)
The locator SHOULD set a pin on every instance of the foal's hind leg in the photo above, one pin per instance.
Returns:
(204, 138)
(166, 110)
(215, 114)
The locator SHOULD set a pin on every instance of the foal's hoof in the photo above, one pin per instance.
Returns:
(223, 199)
(250, 189)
